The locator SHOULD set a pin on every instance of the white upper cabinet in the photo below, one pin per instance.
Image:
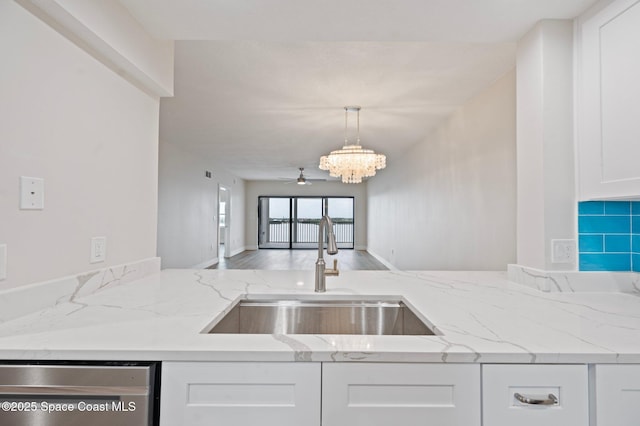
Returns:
(608, 102)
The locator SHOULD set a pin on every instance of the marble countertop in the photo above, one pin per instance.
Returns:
(479, 317)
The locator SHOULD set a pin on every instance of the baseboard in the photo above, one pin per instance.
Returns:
(206, 264)
(237, 251)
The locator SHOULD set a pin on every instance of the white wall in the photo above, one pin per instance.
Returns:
(106, 30)
(545, 160)
(188, 209)
(449, 202)
(256, 189)
(91, 135)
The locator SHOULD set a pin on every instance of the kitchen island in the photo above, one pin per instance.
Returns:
(502, 353)
(478, 317)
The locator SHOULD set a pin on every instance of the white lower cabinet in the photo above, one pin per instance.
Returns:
(331, 394)
(375, 394)
(528, 395)
(616, 390)
(402, 394)
(240, 393)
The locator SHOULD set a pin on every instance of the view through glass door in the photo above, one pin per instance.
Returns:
(274, 226)
(292, 222)
(307, 215)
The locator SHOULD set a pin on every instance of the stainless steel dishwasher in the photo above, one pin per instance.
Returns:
(123, 394)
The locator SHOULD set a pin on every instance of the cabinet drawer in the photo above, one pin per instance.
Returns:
(375, 394)
(568, 384)
(237, 393)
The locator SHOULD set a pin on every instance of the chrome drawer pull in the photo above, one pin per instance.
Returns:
(552, 400)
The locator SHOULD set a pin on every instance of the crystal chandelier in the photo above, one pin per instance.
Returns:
(352, 162)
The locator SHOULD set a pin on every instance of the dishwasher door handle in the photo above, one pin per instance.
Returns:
(73, 390)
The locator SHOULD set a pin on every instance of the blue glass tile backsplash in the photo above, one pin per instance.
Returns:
(609, 235)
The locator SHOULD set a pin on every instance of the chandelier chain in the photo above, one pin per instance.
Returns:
(346, 115)
(358, 126)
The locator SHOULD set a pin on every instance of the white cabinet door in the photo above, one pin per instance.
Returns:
(567, 383)
(608, 102)
(373, 394)
(617, 395)
(238, 394)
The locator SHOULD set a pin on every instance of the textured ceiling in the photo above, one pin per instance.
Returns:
(261, 109)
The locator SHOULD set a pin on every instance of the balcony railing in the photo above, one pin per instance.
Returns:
(306, 231)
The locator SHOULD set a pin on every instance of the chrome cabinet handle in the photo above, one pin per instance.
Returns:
(551, 399)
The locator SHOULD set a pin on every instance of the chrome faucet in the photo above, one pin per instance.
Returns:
(332, 248)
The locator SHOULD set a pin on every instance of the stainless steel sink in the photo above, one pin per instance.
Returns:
(321, 316)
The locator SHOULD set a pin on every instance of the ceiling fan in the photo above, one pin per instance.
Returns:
(302, 180)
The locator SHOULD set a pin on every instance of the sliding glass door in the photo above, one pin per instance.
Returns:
(293, 222)
(274, 230)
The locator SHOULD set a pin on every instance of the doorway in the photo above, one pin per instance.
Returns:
(224, 222)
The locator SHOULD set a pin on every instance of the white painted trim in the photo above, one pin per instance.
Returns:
(251, 247)
(382, 260)
(360, 248)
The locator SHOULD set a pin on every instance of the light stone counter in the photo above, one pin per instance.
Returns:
(479, 316)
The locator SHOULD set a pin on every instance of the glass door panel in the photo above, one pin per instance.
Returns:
(340, 210)
(274, 224)
(307, 215)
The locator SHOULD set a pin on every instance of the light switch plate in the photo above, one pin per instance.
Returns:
(31, 193)
(98, 249)
(3, 262)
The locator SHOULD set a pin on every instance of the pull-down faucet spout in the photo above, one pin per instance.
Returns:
(332, 248)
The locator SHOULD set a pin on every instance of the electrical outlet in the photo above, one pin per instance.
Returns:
(31, 193)
(3, 262)
(98, 249)
(563, 251)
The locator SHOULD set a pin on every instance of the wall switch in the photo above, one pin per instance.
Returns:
(563, 251)
(98, 249)
(3, 262)
(31, 193)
